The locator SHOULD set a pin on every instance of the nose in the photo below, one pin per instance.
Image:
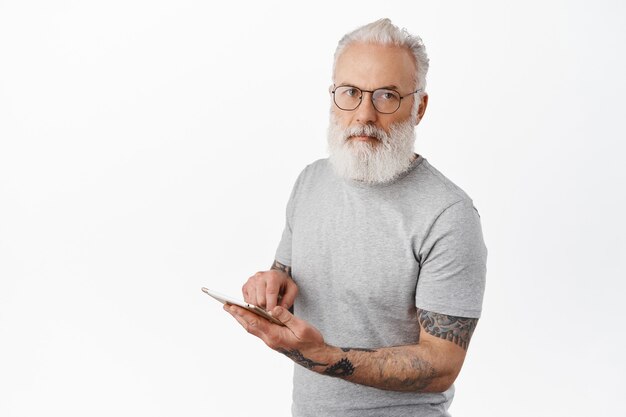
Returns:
(366, 112)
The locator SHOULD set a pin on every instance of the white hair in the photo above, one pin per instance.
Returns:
(384, 32)
(371, 163)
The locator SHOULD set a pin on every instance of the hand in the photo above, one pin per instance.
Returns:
(298, 339)
(269, 289)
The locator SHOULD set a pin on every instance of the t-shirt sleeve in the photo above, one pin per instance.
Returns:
(283, 253)
(453, 263)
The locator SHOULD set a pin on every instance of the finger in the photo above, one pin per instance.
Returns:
(289, 296)
(249, 321)
(271, 293)
(299, 331)
(256, 326)
(285, 317)
(249, 290)
(260, 290)
(244, 292)
(241, 321)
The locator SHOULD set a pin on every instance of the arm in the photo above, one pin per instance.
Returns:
(431, 365)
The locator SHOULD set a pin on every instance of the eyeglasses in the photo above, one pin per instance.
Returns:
(385, 101)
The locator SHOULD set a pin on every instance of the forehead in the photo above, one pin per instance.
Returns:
(370, 66)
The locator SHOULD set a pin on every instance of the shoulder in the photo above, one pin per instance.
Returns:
(439, 183)
(432, 190)
(313, 173)
(319, 167)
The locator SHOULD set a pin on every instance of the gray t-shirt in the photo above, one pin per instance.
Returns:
(364, 258)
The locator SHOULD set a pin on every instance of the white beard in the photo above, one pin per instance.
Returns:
(373, 163)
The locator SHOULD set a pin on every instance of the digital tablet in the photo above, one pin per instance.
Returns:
(224, 299)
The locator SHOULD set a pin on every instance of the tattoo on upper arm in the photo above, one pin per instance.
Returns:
(280, 267)
(458, 330)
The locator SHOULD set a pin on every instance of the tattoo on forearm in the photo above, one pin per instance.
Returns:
(296, 356)
(280, 267)
(458, 330)
(341, 369)
(395, 371)
(348, 349)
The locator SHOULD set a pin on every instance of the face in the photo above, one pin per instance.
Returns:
(364, 144)
(368, 67)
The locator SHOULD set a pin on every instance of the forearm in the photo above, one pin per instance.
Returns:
(430, 365)
(415, 368)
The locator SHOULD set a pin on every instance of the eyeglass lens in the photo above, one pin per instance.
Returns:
(349, 98)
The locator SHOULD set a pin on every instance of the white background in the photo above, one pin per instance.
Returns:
(146, 151)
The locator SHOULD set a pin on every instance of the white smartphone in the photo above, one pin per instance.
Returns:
(224, 299)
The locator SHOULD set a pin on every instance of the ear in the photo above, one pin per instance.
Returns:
(422, 108)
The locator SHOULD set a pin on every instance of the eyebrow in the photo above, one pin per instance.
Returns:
(386, 87)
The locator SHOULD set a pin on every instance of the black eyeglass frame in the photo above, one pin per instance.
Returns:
(371, 97)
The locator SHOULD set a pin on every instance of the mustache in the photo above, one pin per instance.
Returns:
(366, 130)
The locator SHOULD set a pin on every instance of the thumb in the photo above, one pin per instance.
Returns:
(285, 317)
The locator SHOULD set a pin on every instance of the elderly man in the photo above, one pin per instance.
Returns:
(382, 259)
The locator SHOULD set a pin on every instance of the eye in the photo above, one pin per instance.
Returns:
(387, 95)
(351, 91)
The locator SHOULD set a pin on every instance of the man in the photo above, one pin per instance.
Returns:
(382, 257)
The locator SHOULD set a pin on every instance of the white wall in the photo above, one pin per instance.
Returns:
(145, 152)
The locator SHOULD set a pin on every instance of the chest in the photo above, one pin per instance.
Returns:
(355, 249)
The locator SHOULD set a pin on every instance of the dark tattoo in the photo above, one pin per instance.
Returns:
(341, 369)
(457, 330)
(348, 349)
(280, 267)
(297, 357)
